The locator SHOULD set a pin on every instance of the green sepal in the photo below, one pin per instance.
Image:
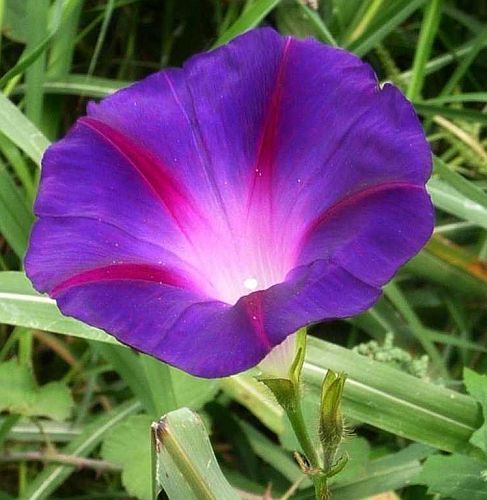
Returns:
(338, 466)
(284, 391)
(297, 364)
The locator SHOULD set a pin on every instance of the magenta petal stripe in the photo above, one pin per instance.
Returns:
(350, 200)
(262, 172)
(120, 272)
(204, 214)
(165, 187)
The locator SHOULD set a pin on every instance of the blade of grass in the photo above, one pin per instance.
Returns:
(80, 85)
(249, 19)
(21, 131)
(450, 266)
(186, 464)
(450, 200)
(440, 62)
(16, 216)
(37, 16)
(321, 28)
(464, 97)
(29, 56)
(478, 43)
(21, 305)
(109, 6)
(458, 256)
(19, 166)
(460, 183)
(448, 339)
(364, 21)
(59, 65)
(469, 115)
(378, 32)
(126, 363)
(429, 27)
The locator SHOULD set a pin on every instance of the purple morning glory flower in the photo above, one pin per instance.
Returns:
(205, 213)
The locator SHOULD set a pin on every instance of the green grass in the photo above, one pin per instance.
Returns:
(55, 55)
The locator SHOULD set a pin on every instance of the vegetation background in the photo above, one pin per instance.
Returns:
(76, 408)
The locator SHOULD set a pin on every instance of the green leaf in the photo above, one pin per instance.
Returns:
(21, 305)
(53, 476)
(190, 391)
(429, 27)
(390, 19)
(89, 86)
(460, 183)
(450, 200)
(249, 19)
(16, 216)
(387, 473)
(129, 445)
(19, 394)
(469, 115)
(476, 385)
(186, 465)
(456, 476)
(22, 132)
(14, 22)
(299, 20)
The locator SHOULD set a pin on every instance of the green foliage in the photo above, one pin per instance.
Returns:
(19, 394)
(14, 23)
(456, 476)
(129, 445)
(54, 55)
(16, 214)
(476, 385)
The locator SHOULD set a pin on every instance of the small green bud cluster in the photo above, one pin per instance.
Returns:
(394, 356)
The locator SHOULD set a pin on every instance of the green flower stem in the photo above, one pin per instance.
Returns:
(288, 394)
(295, 415)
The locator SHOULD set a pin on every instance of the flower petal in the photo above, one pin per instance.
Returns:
(88, 175)
(372, 232)
(205, 338)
